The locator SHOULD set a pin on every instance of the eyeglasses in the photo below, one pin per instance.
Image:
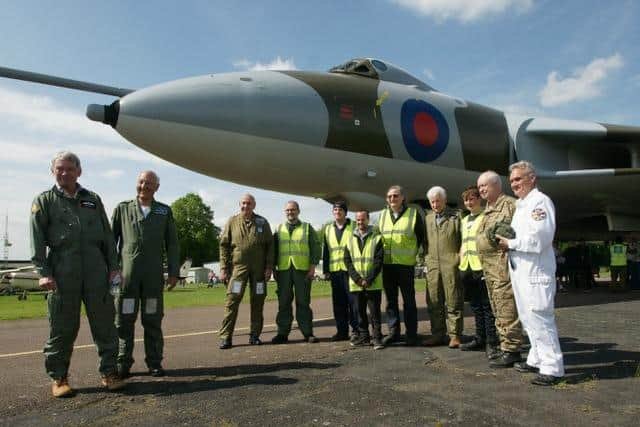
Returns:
(392, 196)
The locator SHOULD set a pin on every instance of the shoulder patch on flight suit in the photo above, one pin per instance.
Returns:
(35, 208)
(88, 204)
(538, 214)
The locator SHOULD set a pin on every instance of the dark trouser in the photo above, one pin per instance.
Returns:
(294, 284)
(394, 277)
(146, 297)
(619, 276)
(344, 308)
(371, 299)
(475, 288)
(64, 322)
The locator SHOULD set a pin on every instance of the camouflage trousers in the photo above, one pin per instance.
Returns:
(496, 273)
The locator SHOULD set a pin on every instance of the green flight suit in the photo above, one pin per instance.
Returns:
(444, 292)
(141, 243)
(246, 250)
(81, 253)
(293, 283)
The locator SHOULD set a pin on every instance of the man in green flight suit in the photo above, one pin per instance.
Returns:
(246, 255)
(69, 221)
(144, 229)
(297, 254)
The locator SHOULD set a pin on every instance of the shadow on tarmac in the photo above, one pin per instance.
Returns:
(586, 361)
(168, 388)
(232, 371)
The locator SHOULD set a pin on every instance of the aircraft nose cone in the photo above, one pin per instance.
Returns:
(107, 114)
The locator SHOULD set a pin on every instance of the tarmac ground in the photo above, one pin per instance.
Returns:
(327, 384)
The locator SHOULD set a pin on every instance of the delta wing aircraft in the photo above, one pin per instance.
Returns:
(352, 132)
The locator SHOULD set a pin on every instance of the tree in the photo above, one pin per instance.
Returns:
(197, 234)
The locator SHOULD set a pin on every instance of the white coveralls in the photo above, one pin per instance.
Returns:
(532, 267)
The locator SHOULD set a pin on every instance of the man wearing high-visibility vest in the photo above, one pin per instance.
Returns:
(444, 292)
(363, 256)
(335, 239)
(618, 264)
(402, 230)
(472, 277)
(297, 254)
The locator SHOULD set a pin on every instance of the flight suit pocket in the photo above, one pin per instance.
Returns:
(542, 293)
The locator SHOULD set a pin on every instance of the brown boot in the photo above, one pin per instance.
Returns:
(432, 341)
(61, 388)
(113, 382)
(454, 342)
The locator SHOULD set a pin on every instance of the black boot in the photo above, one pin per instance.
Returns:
(475, 344)
(506, 360)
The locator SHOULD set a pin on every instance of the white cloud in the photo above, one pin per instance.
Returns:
(276, 64)
(112, 173)
(463, 10)
(428, 74)
(583, 84)
(40, 113)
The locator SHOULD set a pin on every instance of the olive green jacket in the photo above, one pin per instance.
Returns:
(443, 241)
(141, 242)
(247, 244)
(76, 232)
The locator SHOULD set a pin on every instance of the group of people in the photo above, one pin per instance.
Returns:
(115, 270)
(501, 256)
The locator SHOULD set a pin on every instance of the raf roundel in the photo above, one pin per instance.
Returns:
(425, 131)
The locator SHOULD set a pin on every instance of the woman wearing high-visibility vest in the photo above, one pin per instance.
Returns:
(618, 264)
(472, 278)
(363, 256)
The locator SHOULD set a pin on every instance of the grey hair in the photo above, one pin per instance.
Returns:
(492, 177)
(249, 196)
(525, 165)
(437, 191)
(397, 188)
(150, 172)
(66, 155)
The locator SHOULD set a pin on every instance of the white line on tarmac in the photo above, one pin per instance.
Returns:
(166, 337)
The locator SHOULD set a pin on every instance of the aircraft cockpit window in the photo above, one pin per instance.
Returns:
(379, 65)
(357, 66)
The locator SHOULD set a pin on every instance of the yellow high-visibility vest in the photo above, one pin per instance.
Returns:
(399, 239)
(336, 248)
(293, 248)
(618, 255)
(469, 247)
(363, 260)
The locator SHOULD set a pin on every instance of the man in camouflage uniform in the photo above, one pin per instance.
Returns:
(495, 265)
(69, 222)
(444, 291)
(246, 255)
(144, 230)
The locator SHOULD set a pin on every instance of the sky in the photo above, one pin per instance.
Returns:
(568, 59)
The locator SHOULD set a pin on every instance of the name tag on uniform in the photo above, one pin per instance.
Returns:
(259, 229)
(260, 288)
(160, 210)
(88, 204)
(236, 287)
